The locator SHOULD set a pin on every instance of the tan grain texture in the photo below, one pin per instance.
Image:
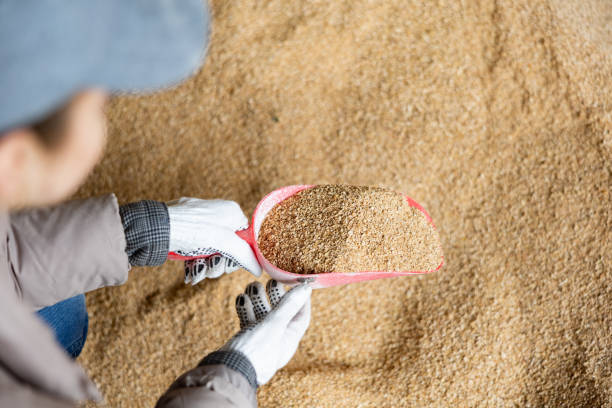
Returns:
(494, 115)
(344, 228)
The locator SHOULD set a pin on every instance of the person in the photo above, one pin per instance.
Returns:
(58, 64)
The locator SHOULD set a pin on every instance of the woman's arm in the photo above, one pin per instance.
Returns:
(62, 251)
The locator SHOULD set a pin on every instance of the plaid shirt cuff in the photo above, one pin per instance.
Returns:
(147, 232)
(234, 360)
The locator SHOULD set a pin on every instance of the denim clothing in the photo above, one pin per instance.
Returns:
(69, 321)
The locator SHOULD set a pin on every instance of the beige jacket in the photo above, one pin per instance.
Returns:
(49, 255)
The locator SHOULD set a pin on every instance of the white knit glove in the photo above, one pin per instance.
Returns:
(208, 227)
(270, 331)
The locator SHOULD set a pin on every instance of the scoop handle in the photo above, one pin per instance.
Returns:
(247, 235)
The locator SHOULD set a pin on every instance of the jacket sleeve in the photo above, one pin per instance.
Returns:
(59, 252)
(16, 394)
(22, 397)
(224, 379)
(147, 232)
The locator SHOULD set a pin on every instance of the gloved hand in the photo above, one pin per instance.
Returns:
(207, 229)
(270, 331)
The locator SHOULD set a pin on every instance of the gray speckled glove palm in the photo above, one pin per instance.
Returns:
(270, 330)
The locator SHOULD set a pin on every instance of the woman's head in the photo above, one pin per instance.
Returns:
(51, 110)
(47, 161)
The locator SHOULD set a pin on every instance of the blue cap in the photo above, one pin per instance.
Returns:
(51, 49)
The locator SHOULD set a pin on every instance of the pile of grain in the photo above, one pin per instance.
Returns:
(341, 228)
(486, 112)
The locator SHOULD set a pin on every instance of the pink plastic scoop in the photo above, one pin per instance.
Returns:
(320, 280)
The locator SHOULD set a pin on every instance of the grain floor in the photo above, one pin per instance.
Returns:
(493, 114)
